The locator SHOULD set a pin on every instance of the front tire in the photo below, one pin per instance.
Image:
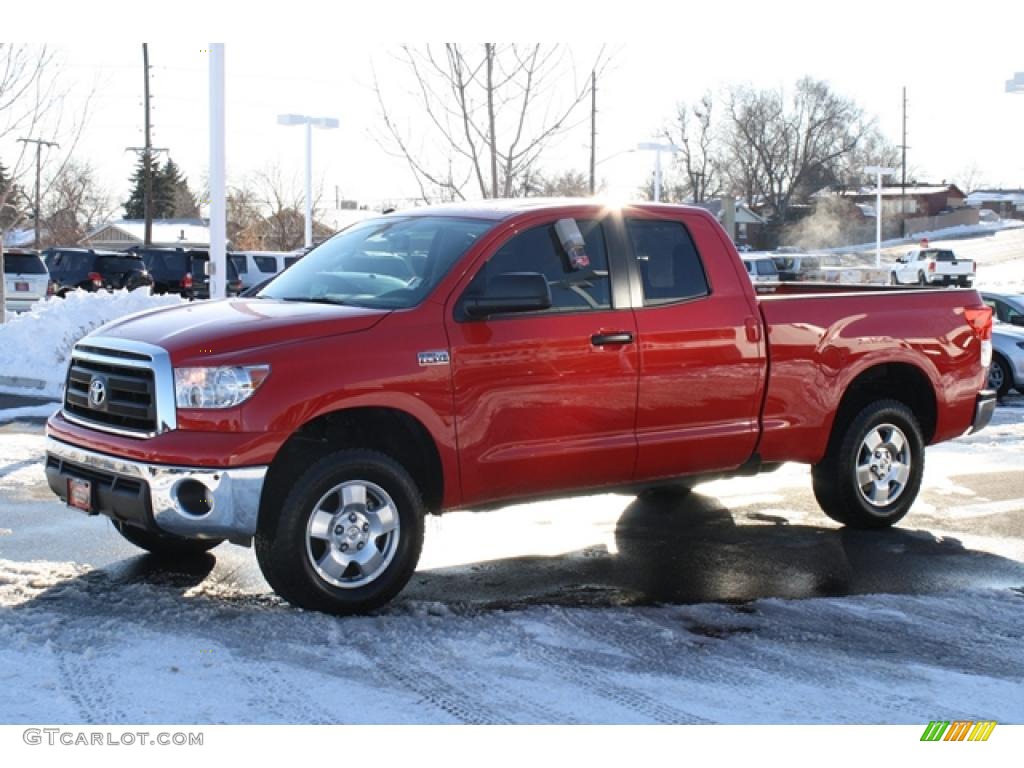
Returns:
(348, 536)
(165, 545)
(872, 471)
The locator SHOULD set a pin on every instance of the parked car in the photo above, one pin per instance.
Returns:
(544, 349)
(760, 268)
(1007, 369)
(88, 269)
(185, 271)
(932, 266)
(1006, 307)
(26, 280)
(256, 266)
(797, 266)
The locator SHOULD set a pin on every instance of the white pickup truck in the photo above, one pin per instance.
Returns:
(932, 266)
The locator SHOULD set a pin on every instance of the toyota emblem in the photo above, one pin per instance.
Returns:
(97, 393)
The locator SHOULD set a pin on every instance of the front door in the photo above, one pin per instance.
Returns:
(546, 400)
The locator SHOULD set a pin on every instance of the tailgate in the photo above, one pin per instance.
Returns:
(18, 286)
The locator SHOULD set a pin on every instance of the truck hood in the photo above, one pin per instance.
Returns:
(231, 325)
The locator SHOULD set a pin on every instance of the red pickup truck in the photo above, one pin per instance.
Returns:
(456, 357)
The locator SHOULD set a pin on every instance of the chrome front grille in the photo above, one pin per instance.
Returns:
(119, 386)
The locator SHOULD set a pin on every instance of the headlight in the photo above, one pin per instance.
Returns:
(222, 387)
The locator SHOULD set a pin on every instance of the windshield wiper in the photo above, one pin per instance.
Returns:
(313, 299)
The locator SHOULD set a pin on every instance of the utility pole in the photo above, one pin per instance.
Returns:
(147, 153)
(903, 166)
(593, 131)
(39, 169)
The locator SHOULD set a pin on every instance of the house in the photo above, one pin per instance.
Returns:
(748, 223)
(1008, 203)
(174, 233)
(917, 200)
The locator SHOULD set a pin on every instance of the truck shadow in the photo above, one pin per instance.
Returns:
(670, 549)
(692, 549)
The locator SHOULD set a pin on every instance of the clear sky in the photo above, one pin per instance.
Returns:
(953, 58)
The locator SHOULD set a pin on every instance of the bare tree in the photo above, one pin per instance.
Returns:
(486, 115)
(75, 204)
(970, 177)
(793, 142)
(700, 156)
(31, 104)
(569, 183)
(267, 212)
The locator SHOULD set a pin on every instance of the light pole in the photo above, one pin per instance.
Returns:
(657, 149)
(880, 172)
(218, 184)
(309, 122)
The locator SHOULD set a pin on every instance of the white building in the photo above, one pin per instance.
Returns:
(174, 233)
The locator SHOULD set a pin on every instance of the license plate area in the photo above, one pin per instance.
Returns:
(20, 286)
(80, 494)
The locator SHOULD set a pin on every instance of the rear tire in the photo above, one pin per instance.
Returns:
(921, 279)
(999, 377)
(165, 544)
(348, 536)
(872, 471)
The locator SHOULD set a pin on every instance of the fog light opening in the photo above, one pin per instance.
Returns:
(193, 498)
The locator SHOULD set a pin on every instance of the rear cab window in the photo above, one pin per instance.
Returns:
(23, 264)
(670, 267)
(119, 264)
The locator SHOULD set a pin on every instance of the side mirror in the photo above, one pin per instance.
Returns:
(1017, 320)
(511, 292)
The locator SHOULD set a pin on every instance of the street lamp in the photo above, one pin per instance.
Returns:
(880, 172)
(1016, 85)
(657, 149)
(309, 122)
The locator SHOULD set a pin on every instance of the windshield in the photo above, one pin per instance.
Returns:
(386, 262)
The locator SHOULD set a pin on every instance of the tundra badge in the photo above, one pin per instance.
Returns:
(435, 357)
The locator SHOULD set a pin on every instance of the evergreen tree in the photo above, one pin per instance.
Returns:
(182, 202)
(134, 206)
(172, 197)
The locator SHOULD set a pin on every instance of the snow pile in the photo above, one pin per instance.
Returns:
(35, 346)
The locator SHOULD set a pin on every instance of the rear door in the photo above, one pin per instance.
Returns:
(546, 400)
(702, 360)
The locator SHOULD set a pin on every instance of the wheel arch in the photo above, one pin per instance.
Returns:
(390, 431)
(903, 382)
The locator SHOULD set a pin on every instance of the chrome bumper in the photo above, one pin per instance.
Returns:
(234, 493)
(984, 407)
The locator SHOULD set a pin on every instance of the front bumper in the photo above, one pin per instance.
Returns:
(147, 495)
(984, 407)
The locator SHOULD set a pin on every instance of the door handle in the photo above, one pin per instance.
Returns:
(618, 337)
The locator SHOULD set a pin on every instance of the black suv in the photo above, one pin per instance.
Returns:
(92, 270)
(185, 271)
